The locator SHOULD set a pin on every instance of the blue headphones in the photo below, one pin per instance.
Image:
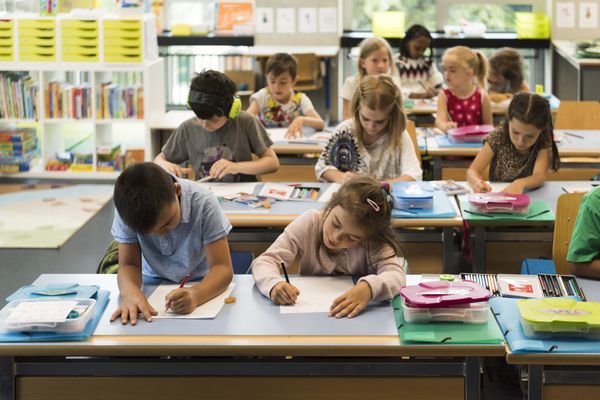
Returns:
(196, 101)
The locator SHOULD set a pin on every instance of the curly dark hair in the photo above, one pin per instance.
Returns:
(220, 90)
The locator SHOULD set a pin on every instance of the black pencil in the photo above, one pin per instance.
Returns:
(287, 278)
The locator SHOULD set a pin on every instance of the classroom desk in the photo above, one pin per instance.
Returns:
(562, 375)
(252, 225)
(245, 351)
(429, 106)
(485, 231)
(569, 146)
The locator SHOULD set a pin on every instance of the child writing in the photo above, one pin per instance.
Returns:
(351, 236)
(418, 73)
(374, 58)
(521, 151)
(278, 105)
(220, 140)
(583, 257)
(464, 102)
(385, 148)
(167, 228)
(506, 76)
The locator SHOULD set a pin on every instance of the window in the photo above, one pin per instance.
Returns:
(415, 11)
(434, 14)
(496, 17)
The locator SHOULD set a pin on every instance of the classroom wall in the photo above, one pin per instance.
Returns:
(575, 20)
(277, 14)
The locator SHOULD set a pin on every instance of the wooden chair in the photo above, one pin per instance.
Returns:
(412, 131)
(566, 213)
(578, 115)
(308, 74)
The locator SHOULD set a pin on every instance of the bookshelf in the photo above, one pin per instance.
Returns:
(85, 133)
(88, 84)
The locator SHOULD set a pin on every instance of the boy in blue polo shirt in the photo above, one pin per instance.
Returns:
(167, 228)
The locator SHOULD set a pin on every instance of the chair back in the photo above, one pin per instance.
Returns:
(578, 115)
(566, 213)
(308, 73)
(412, 132)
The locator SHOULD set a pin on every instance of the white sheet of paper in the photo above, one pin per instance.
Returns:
(328, 19)
(286, 20)
(565, 15)
(327, 194)
(588, 15)
(222, 189)
(577, 188)
(49, 312)
(317, 293)
(264, 19)
(277, 134)
(208, 310)
(307, 20)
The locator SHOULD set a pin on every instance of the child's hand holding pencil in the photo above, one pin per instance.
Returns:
(181, 300)
(284, 293)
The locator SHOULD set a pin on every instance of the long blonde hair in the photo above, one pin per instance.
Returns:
(369, 46)
(380, 93)
(470, 59)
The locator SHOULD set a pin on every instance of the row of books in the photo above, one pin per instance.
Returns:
(18, 95)
(66, 100)
(116, 101)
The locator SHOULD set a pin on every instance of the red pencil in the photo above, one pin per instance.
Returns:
(184, 281)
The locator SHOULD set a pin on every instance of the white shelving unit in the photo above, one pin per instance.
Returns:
(84, 49)
(130, 132)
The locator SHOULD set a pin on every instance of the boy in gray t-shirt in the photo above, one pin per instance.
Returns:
(221, 140)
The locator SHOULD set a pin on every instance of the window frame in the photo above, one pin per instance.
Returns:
(442, 9)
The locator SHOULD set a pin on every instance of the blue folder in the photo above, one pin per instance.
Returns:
(508, 317)
(444, 141)
(442, 206)
(101, 301)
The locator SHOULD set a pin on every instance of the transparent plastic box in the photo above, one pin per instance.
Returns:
(78, 318)
(556, 317)
(472, 313)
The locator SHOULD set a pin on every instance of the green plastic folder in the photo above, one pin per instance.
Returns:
(446, 332)
(538, 211)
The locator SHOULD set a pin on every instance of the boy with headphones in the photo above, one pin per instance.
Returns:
(278, 105)
(220, 140)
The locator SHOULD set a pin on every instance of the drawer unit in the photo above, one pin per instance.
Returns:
(37, 39)
(122, 41)
(7, 50)
(79, 40)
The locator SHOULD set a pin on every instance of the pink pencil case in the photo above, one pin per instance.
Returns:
(469, 133)
(443, 294)
(499, 202)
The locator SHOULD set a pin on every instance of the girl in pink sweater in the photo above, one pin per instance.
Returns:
(351, 236)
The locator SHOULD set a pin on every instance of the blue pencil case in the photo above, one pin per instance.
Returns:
(54, 291)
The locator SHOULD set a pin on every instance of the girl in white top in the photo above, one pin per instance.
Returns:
(385, 150)
(351, 236)
(375, 57)
(418, 73)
